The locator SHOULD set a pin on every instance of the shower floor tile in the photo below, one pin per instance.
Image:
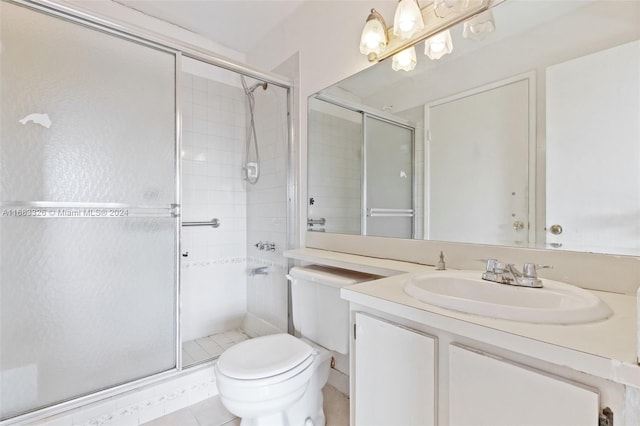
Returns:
(206, 348)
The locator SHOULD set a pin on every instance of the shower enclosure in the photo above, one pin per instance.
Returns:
(109, 142)
(234, 158)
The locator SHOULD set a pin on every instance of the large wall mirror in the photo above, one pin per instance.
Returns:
(529, 137)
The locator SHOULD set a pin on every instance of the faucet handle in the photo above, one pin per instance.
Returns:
(530, 269)
(495, 266)
(491, 264)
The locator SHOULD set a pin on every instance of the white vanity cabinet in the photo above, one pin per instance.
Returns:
(403, 375)
(486, 390)
(396, 372)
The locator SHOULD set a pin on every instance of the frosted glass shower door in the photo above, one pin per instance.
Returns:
(388, 157)
(88, 241)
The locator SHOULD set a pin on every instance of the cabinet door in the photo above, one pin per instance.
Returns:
(394, 374)
(487, 391)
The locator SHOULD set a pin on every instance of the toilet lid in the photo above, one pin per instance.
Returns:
(263, 357)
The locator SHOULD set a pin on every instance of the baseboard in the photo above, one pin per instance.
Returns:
(339, 380)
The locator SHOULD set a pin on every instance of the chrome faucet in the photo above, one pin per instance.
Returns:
(507, 273)
(263, 270)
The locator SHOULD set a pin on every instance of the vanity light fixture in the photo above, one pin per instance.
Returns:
(404, 60)
(436, 17)
(478, 27)
(373, 40)
(408, 19)
(437, 46)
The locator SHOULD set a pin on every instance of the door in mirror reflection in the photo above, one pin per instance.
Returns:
(482, 134)
(595, 198)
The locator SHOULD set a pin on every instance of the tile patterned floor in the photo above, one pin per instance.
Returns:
(206, 348)
(210, 412)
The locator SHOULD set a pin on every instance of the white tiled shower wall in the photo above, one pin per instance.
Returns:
(335, 173)
(213, 273)
(217, 291)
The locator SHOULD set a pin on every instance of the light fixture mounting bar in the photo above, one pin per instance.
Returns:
(433, 24)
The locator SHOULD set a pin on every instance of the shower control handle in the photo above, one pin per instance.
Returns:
(265, 246)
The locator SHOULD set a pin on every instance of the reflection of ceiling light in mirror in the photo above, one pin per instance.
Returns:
(478, 27)
(404, 60)
(439, 45)
(373, 40)
(444, 8)
(408, 19)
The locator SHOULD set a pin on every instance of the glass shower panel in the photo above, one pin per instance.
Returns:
(388, 179)
(84, 114)
(88, 248)
(86, 304)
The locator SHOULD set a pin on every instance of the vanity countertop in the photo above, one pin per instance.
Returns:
(606, 349)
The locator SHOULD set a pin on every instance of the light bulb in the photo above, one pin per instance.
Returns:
(373, 40)
(437, 46)
(408, 19)
(404, 60)
(406, 25)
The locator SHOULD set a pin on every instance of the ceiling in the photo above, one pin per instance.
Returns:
(237, 24)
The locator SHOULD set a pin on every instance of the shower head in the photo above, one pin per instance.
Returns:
(255, 86)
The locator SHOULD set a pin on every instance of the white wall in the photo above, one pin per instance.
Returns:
(326, 36)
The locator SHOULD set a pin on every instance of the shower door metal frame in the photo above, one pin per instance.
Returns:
(365, 112)
(80, 16)
(171, 211)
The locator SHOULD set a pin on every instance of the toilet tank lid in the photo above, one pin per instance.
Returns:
(330, 276)
(264, 356)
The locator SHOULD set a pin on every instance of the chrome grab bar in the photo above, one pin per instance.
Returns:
(375, 212)
(321, 221)
(215, 222)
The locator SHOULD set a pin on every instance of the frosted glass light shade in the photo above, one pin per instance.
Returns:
(373, 40)
(480, 26)
(408, 19)
(444, 8)
(404, 60)
(439, 45)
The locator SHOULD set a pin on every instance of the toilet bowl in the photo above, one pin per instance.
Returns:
(274, 380)
(278, 379)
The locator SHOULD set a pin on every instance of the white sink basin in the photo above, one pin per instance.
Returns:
(465, 291)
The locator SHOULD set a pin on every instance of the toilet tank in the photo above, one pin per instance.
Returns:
(319, 314)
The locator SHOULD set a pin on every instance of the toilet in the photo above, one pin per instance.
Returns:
(278, 379)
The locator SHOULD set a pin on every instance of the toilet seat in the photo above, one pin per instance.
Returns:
(266, 360)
